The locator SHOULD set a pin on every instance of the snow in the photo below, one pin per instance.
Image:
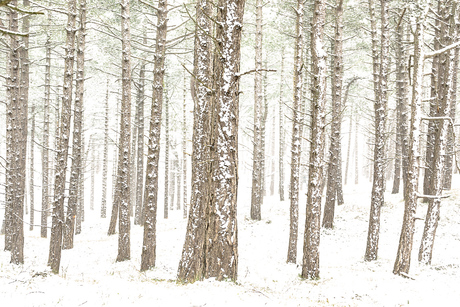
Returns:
(89, 275)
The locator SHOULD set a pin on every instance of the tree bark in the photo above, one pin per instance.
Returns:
(140, 146)
(105, 166)
(310, 261)
(380, 106)
(54, 259)
(148, 256)
(296, 144)
(281, 132)
(334, 170)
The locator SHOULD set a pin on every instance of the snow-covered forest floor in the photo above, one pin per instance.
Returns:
(90, 276)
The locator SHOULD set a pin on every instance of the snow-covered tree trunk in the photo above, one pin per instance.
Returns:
(401, 105)
(310, 261)
(17, 114)
(350, 131)
(46, 141)
(192, 264)
(257, 155)
(281, 132)
(334, 170)
(296, 144)
(184, 149)
(167, 168)
(380, 106)
(32, 171)
(105, 166)
(403, 256)
(75, 171)
(123, 185)
(57, 225)
(151, 180)
(140, 147)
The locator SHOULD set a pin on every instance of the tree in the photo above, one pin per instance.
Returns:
(380, 67)
(148, 256)
(334, 170)
(54, 258)
(310, 261)
(281, 133)
(123, 186)
(258, 155)
(211, 246)
(75, 171)
(296, 145)
(105, 165)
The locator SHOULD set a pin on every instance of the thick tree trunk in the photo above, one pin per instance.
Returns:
(123, 185)
(310, 261)
(296, 144)
(54, 259)
(380, 106)
(192, 264)
(148, 256)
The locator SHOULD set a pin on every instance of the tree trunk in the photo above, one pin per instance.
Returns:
(140, 146)
(46, 141)
(334, 170)
(123, 185)
(257, 155)
(281, 136)
(32, 171)
(184, 148)
(167, 170)
(105, 166)
(310, 262)
(54, 259)
(192, 263)
(151, 181)
(380, 106)
(296, 144)
(75, 172)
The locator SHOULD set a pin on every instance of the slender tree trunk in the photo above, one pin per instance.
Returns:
(334, 170)
(350, 132)
(114, 214)
(296, 144)
(140, 146)
(310, 261)
(46, 141)
(281, 133)
(167, 170)
(151, 181)
(54, 259)
(256, 191)
(123, 185)
(380, 106)
(184, 148)
(32, 171)
(105, 166)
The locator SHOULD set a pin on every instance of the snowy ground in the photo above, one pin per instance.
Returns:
(90, 276)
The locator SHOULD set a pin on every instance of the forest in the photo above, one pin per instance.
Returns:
(229, 152)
